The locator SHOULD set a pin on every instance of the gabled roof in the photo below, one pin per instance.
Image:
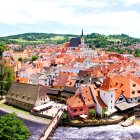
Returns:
(26, 93)
(75, 42)
(83, 97)
(126, 86)
(108, 84)
(61, 81)
(97, 97)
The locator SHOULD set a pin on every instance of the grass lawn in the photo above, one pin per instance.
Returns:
(26, 41)
(13, 108)
(57, 38)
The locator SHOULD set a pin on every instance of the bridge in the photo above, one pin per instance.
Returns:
(52, 126)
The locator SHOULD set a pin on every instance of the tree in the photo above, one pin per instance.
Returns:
(12, 128)
(92, 113)
(20, 59)
(3, 47)
(34, 58)
(7, 76)
(65, 116)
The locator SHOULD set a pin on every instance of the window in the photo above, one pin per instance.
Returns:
(23, 96)
(28, 97)
(138, 91)
(121, 84)
(12, 94)
(122, 91)
(111, 96)
(133, 92)
(116, 83)
(75, 110)
(134, 85)
(91, 107)
(121, 98)
(81, 109)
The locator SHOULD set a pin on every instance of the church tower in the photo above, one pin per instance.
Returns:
(82, 40)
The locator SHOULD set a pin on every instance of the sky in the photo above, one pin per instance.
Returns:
(70, 16)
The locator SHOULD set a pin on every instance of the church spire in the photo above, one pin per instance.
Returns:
(82, 33)
(82, 40)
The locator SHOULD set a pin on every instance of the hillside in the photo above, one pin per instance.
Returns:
(93, 39)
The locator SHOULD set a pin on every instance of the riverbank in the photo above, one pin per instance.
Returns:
(24, 114)
(116, 119)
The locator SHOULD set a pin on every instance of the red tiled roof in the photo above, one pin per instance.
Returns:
(83, 97)
(108, 84)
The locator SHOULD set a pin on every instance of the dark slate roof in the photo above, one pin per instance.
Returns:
(68, 92)
(46, 68)
(69, 89)
(83, 79)
(75, 42)
(52, 91)
(26, 93)
(84, 73)
(94, 80)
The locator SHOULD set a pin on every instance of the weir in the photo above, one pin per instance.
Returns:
(52, 126)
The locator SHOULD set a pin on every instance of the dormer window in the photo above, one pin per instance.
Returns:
(70, 83)
(121, 84)
(134, 85)
(122, 91)
(117, 83)
(133, 92)
(28, 97)
(23, 96)
(12, 94)
(138, 91)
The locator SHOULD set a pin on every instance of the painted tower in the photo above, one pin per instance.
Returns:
(82, 40)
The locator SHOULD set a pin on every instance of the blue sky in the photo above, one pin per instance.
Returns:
(70, 16)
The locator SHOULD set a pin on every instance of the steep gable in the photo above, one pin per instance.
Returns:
(108, 84)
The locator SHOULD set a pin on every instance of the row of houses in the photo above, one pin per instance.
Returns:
(75, 75)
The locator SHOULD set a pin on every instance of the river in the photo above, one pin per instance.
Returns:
(109, 132)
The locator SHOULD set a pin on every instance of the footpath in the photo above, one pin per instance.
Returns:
(23, 114)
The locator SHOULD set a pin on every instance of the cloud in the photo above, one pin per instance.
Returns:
(130, 2)
(90, 14)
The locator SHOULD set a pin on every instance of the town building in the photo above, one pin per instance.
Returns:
(26, 96)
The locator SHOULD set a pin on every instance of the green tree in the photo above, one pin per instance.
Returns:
(34, 58)
(12, 128)
(3, 47)
(7, 76)
(65, 116)
(92, 113)
(20, 59)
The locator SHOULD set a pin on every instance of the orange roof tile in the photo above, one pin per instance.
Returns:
(108, 84)
(83, 97)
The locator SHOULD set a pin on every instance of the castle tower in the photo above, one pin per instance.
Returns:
(82, 40)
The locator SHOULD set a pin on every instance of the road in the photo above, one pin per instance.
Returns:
(23, 114)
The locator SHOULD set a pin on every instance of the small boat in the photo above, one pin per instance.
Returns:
(128, 122)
